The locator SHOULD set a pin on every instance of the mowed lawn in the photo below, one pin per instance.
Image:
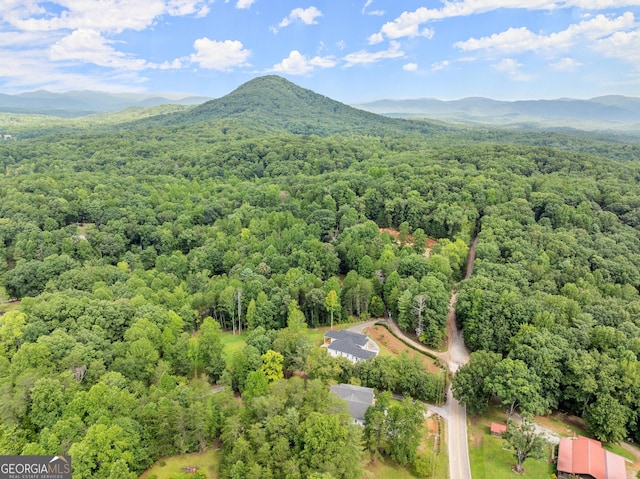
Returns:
(235, 342)
(206, 462)
(490, 461)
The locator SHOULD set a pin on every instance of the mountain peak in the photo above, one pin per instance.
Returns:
(275, 103)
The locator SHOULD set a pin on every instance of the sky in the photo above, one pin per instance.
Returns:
(350, 50)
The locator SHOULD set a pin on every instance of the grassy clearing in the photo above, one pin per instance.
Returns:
(387, 469)
(233, 343)
(206, 462)
(5, 304)
(6, 307)
(490, 461)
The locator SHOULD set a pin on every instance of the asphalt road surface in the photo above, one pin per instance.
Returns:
(459, 466)
(456, 355)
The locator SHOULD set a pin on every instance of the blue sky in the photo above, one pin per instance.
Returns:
(350, 50)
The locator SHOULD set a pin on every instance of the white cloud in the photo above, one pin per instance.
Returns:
(245, 4)
(511, 68)
(443, 65)
(221, 56)
(68, 33)
(518, 40)
(112, 16)
(181, 8)
(376, 38)
(600, 4)
(305, 15)
(508, 65)
(298, 64)
(566, 65)
(89, 46)
(410, 67)
(371, 12)
(623, 45)
(31, 69)
(409, 23)
(24, 39)
(364, 56)
(406, 25)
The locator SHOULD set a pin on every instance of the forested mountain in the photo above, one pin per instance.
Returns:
(133, 246)
(272, 103)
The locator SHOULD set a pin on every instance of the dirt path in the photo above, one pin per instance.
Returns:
(471, 258)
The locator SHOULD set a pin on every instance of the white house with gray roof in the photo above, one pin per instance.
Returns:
(353, 346)
(357, 397)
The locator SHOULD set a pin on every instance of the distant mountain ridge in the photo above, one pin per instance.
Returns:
(274, 103)
(86, 102)
(610, 110)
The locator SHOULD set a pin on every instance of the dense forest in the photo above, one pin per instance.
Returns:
(135, 242)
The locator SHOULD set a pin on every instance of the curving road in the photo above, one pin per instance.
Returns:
(456, 355)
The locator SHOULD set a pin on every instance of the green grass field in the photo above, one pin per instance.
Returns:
(206, 462)
(233, 343)
(490, 461)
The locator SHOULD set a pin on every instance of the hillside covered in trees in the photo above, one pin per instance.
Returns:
(133, 242)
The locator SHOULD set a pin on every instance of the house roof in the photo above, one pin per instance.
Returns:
(353, 337)
(586, 456)
(358, 398)
(349, 342)
(498, 428)
(352, 349)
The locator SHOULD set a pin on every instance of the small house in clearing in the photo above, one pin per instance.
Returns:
(585, 458)
(358, 399)
(353, 346)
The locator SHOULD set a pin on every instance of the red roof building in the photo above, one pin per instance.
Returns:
(498, 429)
(585, 458)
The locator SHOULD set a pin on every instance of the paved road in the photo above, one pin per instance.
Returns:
(360, 327)
(453, 412)
(459, 467)
(456, 355)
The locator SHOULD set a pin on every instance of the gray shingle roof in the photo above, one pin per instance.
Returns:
(349, 342)
(358, 398)
(356, 338)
